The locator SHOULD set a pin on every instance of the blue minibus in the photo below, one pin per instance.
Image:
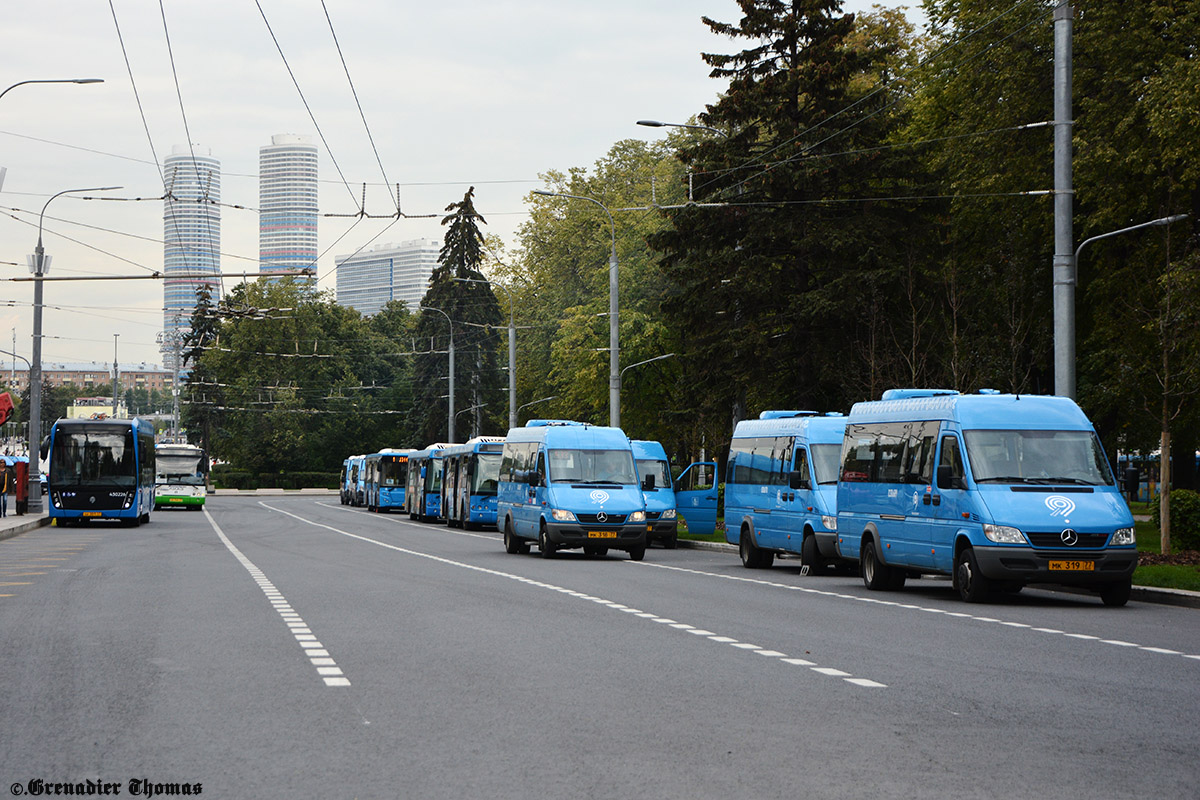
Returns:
(101, 469)
(781, 488)
(423, 498)
(995, 490)
(658, 492)
(471, 478)
(387, 479)
(569, 484)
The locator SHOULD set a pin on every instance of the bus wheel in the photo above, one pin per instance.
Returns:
(545, 546)
(1116, 594)
(972, 586)
(810, 556)
(876, 575)
(512, 545)
(753, 556)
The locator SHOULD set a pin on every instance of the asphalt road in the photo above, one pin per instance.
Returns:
(291, 647)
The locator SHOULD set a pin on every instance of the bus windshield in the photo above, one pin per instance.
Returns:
(487, 474)
(186, 467)
(393, 471)
(592, 466)
(826, 462)
(1039, 457)
(93, 456)
(660, 471)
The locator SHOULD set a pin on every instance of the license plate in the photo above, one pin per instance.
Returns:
(91, 513)
(175, 500)
(602, 534)
(1073, 566)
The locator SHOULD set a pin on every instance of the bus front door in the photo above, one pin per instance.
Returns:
(696, 497)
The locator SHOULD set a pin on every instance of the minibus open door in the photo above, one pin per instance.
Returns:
(696, 497)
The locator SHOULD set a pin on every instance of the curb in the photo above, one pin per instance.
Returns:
(24, 527)
(1144, 594)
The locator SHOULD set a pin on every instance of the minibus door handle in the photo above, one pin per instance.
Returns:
(937, 499)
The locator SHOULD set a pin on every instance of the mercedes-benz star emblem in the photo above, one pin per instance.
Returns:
(602, 517)
(1069, 537)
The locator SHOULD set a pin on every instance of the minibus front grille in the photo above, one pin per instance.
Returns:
(593, 519)
(653, 514)
(1055, 539)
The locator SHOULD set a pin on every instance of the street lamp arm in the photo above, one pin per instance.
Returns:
(41, 216)
(59, 80)
(1154, 223)
(535, 402)
(653, 123)
(16, 355)
(647, 361)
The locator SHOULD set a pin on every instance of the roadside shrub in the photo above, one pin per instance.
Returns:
(1185, 519)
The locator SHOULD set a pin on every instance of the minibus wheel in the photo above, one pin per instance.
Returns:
(671, 542)
(637, 553)
(1116, 594)
(876, 575)
(753, 556)
(810, 556)
(545, 546)
(972, 586)
(512, 545)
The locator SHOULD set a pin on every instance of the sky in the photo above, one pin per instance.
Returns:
(484, 94)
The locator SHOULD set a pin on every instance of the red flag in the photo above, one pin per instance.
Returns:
(6, 407)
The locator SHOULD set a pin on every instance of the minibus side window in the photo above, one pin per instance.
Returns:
(953, 477)
(889, 452)
(802, 466)
(918, 459)
(783, 457)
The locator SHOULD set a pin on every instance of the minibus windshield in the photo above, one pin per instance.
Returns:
(591, 466)
(660, 471)
(1038, 457)
(827, 462)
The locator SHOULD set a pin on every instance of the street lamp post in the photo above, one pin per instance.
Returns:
(450, 411)
(653, 123)
(614, 358)
(512, 350)
(116, 375)
(58, 80)
(35, 372)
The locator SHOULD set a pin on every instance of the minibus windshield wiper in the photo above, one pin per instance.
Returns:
(1074, 481)
(1005, 479)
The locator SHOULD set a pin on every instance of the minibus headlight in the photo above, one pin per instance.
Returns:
(668, 514)
(562, 515)
(830, 523)
(1002, 534)
(1124, 536)
(637, 516)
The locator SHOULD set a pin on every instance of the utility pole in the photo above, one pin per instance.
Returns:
(116, 376)
(1064, 196)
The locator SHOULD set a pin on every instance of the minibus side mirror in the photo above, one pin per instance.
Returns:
(946, 479)
(796, 480)
(535, 479)
(45, 448)
(648, 483)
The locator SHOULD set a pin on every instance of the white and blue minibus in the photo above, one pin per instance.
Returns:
(781, 487)
(995, 490)
(569, 484)
(101, 469)
(471, 478)
(423, 498)
(658, 492)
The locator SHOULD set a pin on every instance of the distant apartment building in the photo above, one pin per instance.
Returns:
(90, 374)
(369, 280)
(287, 201)
(191, 237)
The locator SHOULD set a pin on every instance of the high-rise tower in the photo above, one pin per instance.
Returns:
(287, 201)
(191, 237)
(368, 280)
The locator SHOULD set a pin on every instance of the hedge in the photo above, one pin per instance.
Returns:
(233, 479)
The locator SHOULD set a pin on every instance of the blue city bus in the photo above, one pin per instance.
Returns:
(471, 477)
(423, 499)
(569, 484)
(995, 490)
(387, 479)
(352, 475)
(658, 492)
(100, 469)
(781, 488)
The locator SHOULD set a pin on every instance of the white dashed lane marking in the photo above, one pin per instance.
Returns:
(909, 606)
(665, 621)
(317, 655)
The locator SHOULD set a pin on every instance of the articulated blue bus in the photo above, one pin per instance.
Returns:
(423, 498)
(470, 479)
(994, 490)
(386, 479)
(568, 484)
(781, 487)
(101, 469)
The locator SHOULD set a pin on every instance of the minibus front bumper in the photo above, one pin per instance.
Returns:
(615, 537)
(1038, 565)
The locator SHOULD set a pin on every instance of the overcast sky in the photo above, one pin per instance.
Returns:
(489, 94)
